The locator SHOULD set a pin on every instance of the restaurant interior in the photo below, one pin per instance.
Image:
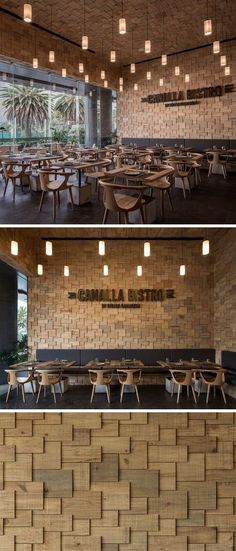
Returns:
(117, 318)
(118, 112)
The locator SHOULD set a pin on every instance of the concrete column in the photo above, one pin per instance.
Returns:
(8, 308)
(106, 114)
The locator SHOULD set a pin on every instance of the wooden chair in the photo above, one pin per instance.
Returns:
(181, 378)
(11, 173)
(55, 186)
(100, 377)
(129, 377)
(15, 378)
(48, 379)
(182, 174)
(163, 185)
(213, 380)
(122, 202)
(95, 175)
(222, 164)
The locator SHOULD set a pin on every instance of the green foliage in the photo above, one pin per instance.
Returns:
(28, 106)
(68, 105)
(18, 355)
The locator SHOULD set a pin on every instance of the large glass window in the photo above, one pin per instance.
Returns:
(39, 107)
(22, 308)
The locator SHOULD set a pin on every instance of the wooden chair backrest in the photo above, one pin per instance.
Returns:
(129, 376)
(186, 377)
(100, 376)
(217, 381)
(14, 374)
(46, 378)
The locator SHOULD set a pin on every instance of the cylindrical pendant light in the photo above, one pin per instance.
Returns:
(74, 90)
(103, 74)
(147, 249)
(182, 270)
(205, 247)
(135, 86)
(14, 248)
(101, 248)
(84, 42)
(113, 56)
(4, 76)
(51, 56)
(66, 271)
(105, 83)
(149, 75)
(122, 25)
(216, 47)
(105, 270)
(121, 81)
(81, 67)
(54, 87)
(227, 71)
(186, 77)
(40, 269)
(161, 81)
(177, 70)
(132, 68)
(86, 78)
(35, 63)
(148, 46)
(139, 271)
(63, 72)
(48, 248)
(121, 88)
(164, 59)
(31, 82)
(207, 27)
(223, 60)
(27, 13)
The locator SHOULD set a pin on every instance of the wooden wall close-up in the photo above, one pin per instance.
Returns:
(117, 482)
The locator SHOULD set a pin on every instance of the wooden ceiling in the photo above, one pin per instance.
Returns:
(129, 232)
(183, 23)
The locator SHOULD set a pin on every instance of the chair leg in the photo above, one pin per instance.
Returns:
(92, 394)
(194, 395)
(223, 394)
(108, 396)
(54, 205)
(40, 388)
(121, 393)
(188, 391)
(23, 393)
(137, 394)
(14, 191)
(170, 199)
(8, 393)
(208, 393)
(45, 391)
(58, 198)
(5, 189)
(126, 218)
(172, 389)
(60, 388)
(54, 394)
(41, 201)
(32, 386)
(162, 204)
(178, 394)
(105, 216)
(142, 215)
(71, 198)
(199, 388)
(184, 190)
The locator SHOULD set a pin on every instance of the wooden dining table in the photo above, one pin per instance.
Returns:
(81, 166)
(23, 158)
(143, 176)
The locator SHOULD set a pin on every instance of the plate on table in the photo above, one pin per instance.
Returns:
(132, 173)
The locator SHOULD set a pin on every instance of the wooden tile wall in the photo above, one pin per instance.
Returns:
(211, 118)
(117, 482)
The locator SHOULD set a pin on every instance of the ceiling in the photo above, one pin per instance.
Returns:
(183, 23)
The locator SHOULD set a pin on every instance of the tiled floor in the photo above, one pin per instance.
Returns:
(151, 397)
(213, 202)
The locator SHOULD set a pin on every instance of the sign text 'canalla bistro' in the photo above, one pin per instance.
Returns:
(116, 298)
(195, 94)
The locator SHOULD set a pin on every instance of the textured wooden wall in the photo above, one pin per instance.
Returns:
(117, 482)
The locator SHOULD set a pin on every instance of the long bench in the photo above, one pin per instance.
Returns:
(197, 145)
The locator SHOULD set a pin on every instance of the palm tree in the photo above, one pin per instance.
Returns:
(26, 105)
(68, 106)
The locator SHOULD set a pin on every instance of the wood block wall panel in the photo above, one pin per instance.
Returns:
(72, 490)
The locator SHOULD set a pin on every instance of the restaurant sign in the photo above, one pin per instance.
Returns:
(189, 97)
(113, 298)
